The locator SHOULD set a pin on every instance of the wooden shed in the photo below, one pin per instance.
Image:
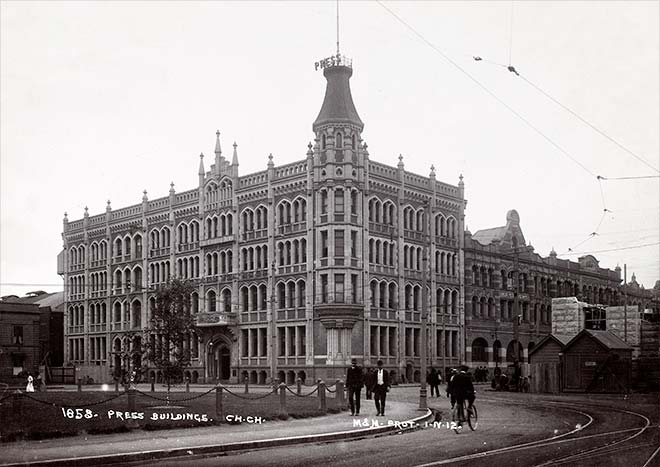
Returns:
(544, 368)
(596, 361)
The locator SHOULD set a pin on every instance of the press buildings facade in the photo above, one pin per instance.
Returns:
(297, 268)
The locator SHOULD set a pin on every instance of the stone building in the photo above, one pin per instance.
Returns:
(509, 289)
(297, 268)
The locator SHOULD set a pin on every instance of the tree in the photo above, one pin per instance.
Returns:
(171, 325)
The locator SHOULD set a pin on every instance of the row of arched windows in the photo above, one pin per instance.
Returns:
(224, 304)
(382, 252)
(76, 315)
(215, 192)
(254, 219)
(128, 279)
(99, 251)
(291, 294)
(188, 233)
(382, 212)
(130, 246)
(219, 225)
(219, 262)
(341, 141)
(76, 285)
(188, 268)
(291, 252)
(159, 238)
(159, 272)
(99, 281)
(254, 257)
(77, 255)
(292, 212)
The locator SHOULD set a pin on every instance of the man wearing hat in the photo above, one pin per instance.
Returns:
(381, 386)
(354, 385)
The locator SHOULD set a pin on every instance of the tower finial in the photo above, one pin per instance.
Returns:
(337, 27)
(218, 149)
(201, 164)
(234, 159)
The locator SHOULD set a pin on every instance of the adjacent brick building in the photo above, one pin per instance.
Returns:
(505, 278)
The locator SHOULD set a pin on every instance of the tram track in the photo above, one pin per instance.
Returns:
(608, 447)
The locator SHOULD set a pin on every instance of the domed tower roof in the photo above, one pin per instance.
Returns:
(338, 104)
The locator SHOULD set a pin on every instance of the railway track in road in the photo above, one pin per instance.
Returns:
(608, 445)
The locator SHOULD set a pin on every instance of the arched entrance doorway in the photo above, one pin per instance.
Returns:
(219, 360)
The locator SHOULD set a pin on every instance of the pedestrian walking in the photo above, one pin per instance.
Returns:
(380, 388)
(369, 378)
(30, 384)
(354, 381)
(433, 380)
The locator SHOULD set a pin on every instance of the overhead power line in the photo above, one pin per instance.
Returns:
(593, 127)
(612, 249)
(491, 93)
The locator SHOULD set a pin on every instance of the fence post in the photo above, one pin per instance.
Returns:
(340, 393)
(187, 384)
(153, 384)
(131, 400)
(322, 405)
(299, 385)
(116, 385)
(218, 401)
(283, 410)
(79, 384)
(246, 384)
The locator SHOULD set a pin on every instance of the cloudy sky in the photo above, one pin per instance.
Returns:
(102, 100)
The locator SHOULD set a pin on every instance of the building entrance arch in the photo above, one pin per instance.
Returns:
(219, 359)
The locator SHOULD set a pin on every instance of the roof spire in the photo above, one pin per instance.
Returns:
(234, 158)
(218, 149)
(201, 164)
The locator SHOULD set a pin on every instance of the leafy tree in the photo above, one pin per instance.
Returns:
(170, 325)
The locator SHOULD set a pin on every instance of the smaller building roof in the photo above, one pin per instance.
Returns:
(487, 236)
(605, 338)
(560, 339)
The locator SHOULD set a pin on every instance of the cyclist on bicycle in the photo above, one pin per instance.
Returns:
(462, 389)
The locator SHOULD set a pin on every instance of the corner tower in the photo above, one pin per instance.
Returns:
(338, 192)
(338, 127)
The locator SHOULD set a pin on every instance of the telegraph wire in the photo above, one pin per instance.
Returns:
(593, 127)
(491, 93)
(628, 178)
(612, 249)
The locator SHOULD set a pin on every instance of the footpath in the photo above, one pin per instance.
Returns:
(140, 445)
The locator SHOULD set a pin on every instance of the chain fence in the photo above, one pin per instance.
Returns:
(302, 395)
(64, 406)
(169, 399)
(250, 398)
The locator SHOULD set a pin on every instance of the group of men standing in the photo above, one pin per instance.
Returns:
(459, 386)
(377, 382)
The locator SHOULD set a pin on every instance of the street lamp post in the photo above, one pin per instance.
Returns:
(425, 306)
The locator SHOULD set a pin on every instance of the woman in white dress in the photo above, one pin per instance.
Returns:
(30, 385)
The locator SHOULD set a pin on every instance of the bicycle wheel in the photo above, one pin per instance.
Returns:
(472, 418)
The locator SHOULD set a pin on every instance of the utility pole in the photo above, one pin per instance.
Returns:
(625, 303)
(273, 328)
(515, 303)
(425, 308)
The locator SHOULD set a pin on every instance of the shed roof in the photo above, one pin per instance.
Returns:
(561, 339)
(605, 338)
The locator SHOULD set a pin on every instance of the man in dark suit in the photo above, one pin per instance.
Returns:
(354, 385)
(380, 388)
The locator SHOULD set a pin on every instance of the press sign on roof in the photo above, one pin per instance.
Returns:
(334, 60)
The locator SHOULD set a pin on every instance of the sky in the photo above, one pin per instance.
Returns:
(102, 100)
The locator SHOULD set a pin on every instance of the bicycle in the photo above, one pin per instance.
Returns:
(458, 417)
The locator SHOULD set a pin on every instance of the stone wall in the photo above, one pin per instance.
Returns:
(567, 316)
(626, 325)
